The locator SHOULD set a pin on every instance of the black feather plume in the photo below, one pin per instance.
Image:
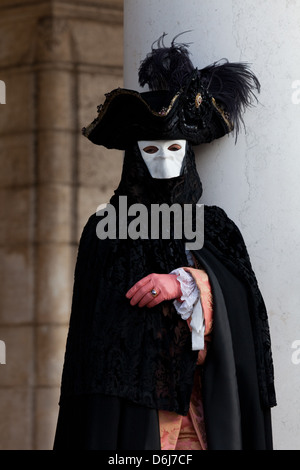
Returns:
(233, 86)
(166, 68)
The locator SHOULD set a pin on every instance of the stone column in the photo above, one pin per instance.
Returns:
(57, 59)
(255, 180)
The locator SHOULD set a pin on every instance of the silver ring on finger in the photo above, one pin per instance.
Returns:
(154, 293)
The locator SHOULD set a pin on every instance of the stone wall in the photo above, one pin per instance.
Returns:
(57, 59)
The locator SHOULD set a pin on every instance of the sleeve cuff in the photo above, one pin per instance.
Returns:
(190, 306)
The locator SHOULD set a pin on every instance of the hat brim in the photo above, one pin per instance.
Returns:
(128, 116)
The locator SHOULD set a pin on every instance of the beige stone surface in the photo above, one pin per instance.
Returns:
(108, 3)
(98, 43)
(17, 39)
(46, 413)
(16, 424)
(98, 166)
(57, 60)
(56, 150)
(19, 368)
(55, 107)
(51, 343)
(16, 215)
(54, 282)
(17, 266)
(54, 42)
(17, 160)
(17, 116)
(14, 3)
(54, 213)
(91, 90)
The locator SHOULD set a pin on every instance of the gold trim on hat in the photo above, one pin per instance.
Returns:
(102, 109)
(223, 114)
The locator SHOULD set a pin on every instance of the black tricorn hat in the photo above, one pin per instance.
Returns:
(183, 102)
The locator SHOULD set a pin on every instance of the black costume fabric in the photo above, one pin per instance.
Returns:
(144, 355)
(235, 417)
(114, 348)
(103, 422)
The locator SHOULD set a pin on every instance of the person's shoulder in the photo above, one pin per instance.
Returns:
(222, 231)
(89, 228)
(219, 216)
(215, 215)
(214, 211)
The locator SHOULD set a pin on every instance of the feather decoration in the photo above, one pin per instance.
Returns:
(166, 68)
(233, 86)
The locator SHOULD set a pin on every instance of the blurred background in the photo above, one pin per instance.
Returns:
(57, 59)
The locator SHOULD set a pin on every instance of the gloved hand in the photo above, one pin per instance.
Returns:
(153, 289)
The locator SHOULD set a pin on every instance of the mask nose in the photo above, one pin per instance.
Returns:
(163, 152)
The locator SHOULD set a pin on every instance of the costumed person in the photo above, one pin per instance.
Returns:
(168, 347)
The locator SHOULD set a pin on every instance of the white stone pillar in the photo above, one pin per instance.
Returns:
(256, 180)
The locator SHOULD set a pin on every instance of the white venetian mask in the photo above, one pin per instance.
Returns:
(163, 157)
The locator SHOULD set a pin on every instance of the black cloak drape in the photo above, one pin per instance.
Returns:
(144, 355)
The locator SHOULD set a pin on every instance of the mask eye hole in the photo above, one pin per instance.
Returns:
(174, 147)
(150, 149)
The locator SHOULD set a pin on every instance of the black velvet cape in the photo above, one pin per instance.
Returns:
(145, 355)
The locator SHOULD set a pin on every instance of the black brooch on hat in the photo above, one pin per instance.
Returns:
(183, 102)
